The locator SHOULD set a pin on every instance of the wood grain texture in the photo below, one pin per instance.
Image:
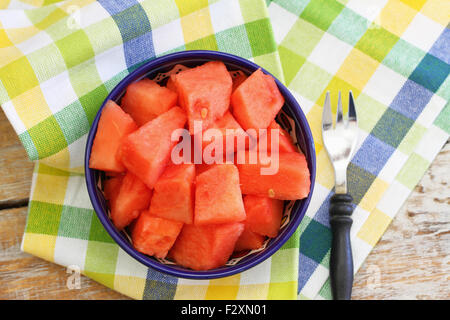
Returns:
(411, 261)
(16, 169)
(23, 276)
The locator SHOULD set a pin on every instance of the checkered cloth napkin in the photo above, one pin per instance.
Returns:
(395, 57)
(59, 61)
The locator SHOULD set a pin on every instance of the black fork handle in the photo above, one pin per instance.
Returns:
(341, 259)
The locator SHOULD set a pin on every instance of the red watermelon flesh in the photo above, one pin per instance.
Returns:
(218, 198)
(238, 77)
(111, 189)
(146, 151)
(112, 174)
(173, 195)
(204, 92)
(249, 240)
(144, 100)
(256, 101)
(238, 134)
(133, 197)
(205, 247)
(113, 126)
(263, 215)
(154, 236)
(227, 121)
(285, 143)
(290, 182)
(202, 167)
(171, 85)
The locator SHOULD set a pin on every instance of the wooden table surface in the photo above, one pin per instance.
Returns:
(411, 261)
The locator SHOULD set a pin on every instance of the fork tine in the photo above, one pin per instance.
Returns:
(351, 107)
(339, 113)
(327, 119)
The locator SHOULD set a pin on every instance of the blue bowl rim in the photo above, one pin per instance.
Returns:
(276, 243)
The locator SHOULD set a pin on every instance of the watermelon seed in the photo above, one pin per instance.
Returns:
(204, 113)
(271, 193)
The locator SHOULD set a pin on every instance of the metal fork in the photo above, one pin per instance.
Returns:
(340, 143)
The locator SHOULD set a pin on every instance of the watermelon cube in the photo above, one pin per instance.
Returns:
(285, 143)
(146, 151)
(113, 174)
(256, 101)
(111, 189)
(144, 100)
(202, 167)
(113, 126)
(205, 247)
(263, 215)
(235, 133)
(238, 77)
(154, 236)
(290, 182)
(218, 198)
(204, 92)
(133, 197)
(173, 195)
(249, 240)
(171, 84)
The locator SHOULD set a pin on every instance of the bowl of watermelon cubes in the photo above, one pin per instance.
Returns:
(200, 164)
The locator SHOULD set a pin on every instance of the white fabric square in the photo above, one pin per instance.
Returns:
(58, 92)
(259, 274)
(362, 135)
(393, 166)
(70, 252)
(282, 21)
(11, 19)
(76, 193)
(384, 85)
(225, 14)
(13, 117)
(40, 40)
(360, 251)
(127, 266)
(19, 5)
(319, 195)
(431, 143)
(359, 216)
(76, 149)
(168, 37)
(393, 199)
(88, 15)
(305, 103)
(422, 32)
(369, 9)
(431, 111)
(110, 62)
(330, 53)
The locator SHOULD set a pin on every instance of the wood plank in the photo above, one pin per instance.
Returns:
(23, 276)
(8, 136)
(16, 169)
(412, 259)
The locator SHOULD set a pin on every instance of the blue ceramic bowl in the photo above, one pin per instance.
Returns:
(191, 59)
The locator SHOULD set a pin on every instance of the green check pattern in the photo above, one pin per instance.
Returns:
(393, 55)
